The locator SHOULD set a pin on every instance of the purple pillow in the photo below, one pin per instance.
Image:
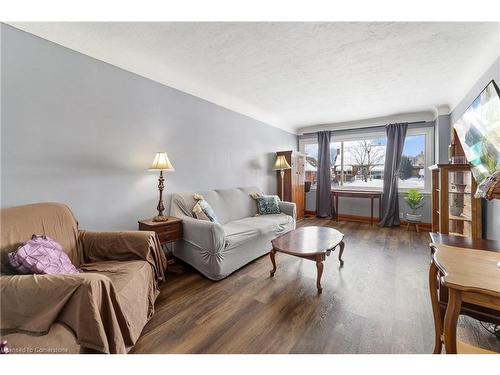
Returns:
(41, 255)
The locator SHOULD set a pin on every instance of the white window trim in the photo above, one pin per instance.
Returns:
(428, 131)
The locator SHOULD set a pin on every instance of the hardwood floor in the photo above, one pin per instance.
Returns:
(377, 303)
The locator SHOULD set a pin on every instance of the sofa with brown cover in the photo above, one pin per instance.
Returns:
(102, 309)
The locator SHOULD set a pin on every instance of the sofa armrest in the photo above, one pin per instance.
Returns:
(288, 208)
(31, 303)
(123, 246)
(203, 234)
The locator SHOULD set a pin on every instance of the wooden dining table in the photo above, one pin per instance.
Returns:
(471, 276)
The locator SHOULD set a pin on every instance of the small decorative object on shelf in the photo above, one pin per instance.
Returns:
(458, 160)
(457, 207)
(459, 188)
(415, 200)
(161, 163)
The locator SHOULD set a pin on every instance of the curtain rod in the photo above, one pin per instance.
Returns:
(370, 127)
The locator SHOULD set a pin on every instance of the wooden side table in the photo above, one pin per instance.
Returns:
(473, 244)
(168, 231)
(336, 193)
(470, 276)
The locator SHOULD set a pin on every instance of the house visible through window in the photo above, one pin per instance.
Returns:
(359, 163)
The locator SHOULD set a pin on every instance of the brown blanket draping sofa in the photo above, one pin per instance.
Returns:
(103, 309)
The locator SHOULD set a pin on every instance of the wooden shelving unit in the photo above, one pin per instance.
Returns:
(294, 181)
(454, 209)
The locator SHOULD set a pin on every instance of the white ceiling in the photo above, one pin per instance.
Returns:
(296, 74)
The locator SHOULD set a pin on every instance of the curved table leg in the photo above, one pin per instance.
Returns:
(450, 321)
(438, 328)
(272, 254)
(341, 251)
(319, 267)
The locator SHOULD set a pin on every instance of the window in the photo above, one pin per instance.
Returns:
(412, 170)
(363, 163)
(311, 150)
(357, 162)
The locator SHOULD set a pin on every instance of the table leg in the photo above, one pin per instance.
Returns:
(371, 212)
(272, 254)
(451, 319)
(379, 208)
(332, 202)
(319, 267)
(438, 327)
(337, 207)
(341, 251)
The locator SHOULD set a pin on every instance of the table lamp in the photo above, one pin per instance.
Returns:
(161, 163)
(280, 165)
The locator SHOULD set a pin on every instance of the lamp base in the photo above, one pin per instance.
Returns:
(160, 218)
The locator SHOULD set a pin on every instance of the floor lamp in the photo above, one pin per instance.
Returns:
(281, 165)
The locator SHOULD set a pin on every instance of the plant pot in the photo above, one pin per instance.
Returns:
(456, 210)
(414, 217)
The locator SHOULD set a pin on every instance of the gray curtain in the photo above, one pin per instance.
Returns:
(396, 134)
(323, 188)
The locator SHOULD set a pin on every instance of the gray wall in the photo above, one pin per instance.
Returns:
(442, 134)
(492, 208)
(83, 132)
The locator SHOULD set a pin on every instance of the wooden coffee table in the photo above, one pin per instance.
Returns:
(313, 243)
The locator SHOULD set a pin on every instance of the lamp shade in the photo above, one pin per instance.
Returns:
(161, 163)
(281, 163)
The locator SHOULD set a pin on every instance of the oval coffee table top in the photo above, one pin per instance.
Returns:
(308, 241)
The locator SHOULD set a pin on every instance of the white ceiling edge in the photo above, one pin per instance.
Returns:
(371, 122)
(170, 79)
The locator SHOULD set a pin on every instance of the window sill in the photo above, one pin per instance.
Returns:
(400, 191)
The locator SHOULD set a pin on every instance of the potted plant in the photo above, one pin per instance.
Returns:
(415, 200)
(457, 207)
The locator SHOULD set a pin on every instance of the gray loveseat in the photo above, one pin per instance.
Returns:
(217, 250)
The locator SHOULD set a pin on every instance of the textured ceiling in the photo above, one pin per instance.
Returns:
(293, 75)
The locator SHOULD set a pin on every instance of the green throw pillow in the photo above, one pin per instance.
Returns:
(268, 204)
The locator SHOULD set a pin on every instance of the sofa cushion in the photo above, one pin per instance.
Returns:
(41, 255)
(242, 230)
(129, 280)
(124, 276)
(198, 212)
(206, 209)
(267, 204)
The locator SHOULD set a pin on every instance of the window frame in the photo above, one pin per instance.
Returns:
(427, 131)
